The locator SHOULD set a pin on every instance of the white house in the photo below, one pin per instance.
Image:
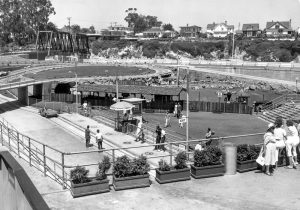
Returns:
(279, 29)
(219, 30)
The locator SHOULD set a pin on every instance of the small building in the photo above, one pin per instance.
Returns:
(219, 30)
(154, 32)
(190, 31)
(251, 29)
(116, 32)
(279, 29)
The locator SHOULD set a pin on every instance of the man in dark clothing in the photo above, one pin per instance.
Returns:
(179, 110)
(87, 136)
(158, 137)
(125, 122)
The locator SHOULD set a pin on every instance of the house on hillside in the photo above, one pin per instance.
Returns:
(154, 32)
(251, 29)
(279, 29)
(190, 31)
(219, 30)
(116, 32)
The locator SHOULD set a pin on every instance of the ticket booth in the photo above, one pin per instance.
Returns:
(137, 102)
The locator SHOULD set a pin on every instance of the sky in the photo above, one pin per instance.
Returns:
(101, 13)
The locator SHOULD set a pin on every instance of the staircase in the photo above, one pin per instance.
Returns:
(286, 111)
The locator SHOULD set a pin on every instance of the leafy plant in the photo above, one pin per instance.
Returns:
(247, 152)
(103, 167)
(140, 166)
(124, 167)
(208, 157)
(180, 160)
(163, 166)
(79, 175)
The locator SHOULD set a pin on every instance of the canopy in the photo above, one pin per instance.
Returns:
(121, 106)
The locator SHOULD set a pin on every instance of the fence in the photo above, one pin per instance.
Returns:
(206, 106)
(54, 163)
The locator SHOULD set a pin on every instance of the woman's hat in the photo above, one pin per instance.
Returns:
(271, 125)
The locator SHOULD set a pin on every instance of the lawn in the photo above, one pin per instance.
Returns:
(223, 124)
(89, 71)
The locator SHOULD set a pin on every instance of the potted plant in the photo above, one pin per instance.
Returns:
(207, 163)
(128, 174)
(180, 172)
(82, 185)
(246, 157)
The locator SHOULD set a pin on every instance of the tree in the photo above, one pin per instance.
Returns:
(75, 29)
(51, 27)
(36, 13)
(168, 27)
(92, 30)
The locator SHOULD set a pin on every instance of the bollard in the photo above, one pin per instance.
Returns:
(230, 158)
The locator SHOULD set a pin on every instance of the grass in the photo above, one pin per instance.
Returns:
(89, 71)
(223, 124)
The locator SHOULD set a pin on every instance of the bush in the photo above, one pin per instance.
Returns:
(124, 167)
(180, 160)
(140, 166)
(208, 157)
(103, 167)
(163, 166)
(247, 152)
(79, 175)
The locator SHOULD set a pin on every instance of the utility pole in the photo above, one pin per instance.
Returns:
(187, 107)
(69, 20)
(233, 44)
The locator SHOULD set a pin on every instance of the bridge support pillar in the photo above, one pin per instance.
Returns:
(46, 91)
(38, 91)
(23, 95)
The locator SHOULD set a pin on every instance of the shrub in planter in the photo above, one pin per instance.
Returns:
(79, 175)
(246, 157)
(128, 174)
(180, 172)
(103, 167)
(207, 163)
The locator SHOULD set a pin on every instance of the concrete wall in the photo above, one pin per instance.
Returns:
(23, 95)
(12, 196)
(47, 87)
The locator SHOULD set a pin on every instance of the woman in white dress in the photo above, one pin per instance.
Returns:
(292, 143)
(269, 148)
(280, 135)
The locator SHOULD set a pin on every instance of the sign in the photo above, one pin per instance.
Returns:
(182, 119)
(220, 94)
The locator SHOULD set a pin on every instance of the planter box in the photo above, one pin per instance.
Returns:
(163, 177)
(207, 171)
(89, 188)
(131, 182)
(244, 166)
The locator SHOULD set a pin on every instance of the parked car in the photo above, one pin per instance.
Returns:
(48, 113)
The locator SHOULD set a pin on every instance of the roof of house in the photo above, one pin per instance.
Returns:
(153, 29)
(212, 26)
(147, 90)
(250, 26)
(285, 24)
(194, 26)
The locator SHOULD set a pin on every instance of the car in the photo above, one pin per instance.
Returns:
(48, 113)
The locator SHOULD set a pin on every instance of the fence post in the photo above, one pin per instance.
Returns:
(18, 142)
(44, 157)
(8, 136)
(171, 153)
(63, 169)
(29, 148)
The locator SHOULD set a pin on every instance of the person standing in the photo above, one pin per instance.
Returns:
(99, 139)
(158, 137)
(87, 136)
(178, 110)
(269, 149)
(175, 109)
(280, 135)
(163, 140)
(167, 119)
(208, 134)
(291, 144)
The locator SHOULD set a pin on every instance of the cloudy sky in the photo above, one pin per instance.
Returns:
(101, 13)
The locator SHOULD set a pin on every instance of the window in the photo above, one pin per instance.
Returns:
(277, 26)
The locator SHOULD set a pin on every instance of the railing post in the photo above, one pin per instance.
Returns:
(171, 153)
(63, 169)
(8, 136)
(18, 142)
(29, 149)
(44, 157)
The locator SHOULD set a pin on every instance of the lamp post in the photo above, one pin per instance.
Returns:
(187, 107)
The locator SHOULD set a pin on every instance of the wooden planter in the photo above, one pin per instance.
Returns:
(207, 171)
(244, 166)
(89, 188)
(163, 177)
(131, 182)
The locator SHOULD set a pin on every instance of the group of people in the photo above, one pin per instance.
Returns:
(277, 138)
(98, 138)
(160, 139)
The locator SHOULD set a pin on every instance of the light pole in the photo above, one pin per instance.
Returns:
(187, 107)
(76, 96)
